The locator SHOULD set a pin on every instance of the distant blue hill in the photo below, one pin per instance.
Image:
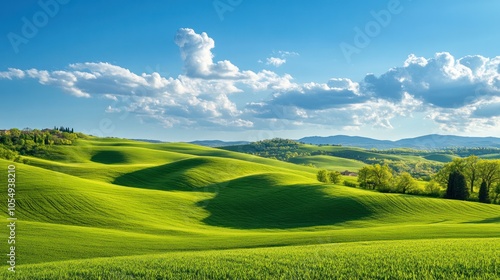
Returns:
(149, 140)
(433, 141)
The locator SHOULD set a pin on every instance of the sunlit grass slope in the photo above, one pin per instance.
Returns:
(113, 197)
(329, 162)
(420, 259)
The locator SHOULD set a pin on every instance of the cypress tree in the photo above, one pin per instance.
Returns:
(483, 193)
(457, 186)
(450, 189)
(462, 192)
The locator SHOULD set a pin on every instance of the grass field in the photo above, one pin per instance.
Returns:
(422, 259)
(329, 162)
(113, 208)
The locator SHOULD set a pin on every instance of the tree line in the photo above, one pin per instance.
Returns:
(479, 175)
(470, 178)
(34, 142)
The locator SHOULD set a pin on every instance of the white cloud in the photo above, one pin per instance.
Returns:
(275, 61)
(196, 51)
(12, 73)
(442, 81)
(458, 94)
(279, 58)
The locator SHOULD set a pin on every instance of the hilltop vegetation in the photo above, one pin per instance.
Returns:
(34, 142)
(116, 208)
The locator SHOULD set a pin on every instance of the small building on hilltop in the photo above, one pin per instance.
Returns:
(349, 173)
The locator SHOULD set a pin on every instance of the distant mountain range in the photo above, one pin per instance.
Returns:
(149, 140)
(433, 141)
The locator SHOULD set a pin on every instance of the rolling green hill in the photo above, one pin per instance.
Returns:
(109, 198)
(420, 164)
(329, 162)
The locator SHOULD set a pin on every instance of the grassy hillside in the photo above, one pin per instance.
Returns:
(420, 164)
(115, 198)
(329, 162)
(422, 259)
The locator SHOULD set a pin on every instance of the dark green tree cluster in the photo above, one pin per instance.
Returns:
(64, 129)
(277, 148)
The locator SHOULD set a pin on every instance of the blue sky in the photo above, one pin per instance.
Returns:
(249, 70)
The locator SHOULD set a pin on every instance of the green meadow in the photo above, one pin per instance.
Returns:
(122, 209)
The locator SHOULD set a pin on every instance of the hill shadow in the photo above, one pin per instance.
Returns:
(257, 202)
(168, 177)
(486, 221)
(109, 157)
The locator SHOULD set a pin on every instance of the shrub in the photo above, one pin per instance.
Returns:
(322, 176)
(350, 184)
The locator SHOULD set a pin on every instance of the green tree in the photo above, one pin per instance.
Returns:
(363, 177)
(322, 176)
(405, 183)
(457, 186)
(375, 177)
(483, 193)
(433, 188)
(489, 172)
(471, 170)
(381, 175)
(496, 190)
(469, 167)
(334, 177)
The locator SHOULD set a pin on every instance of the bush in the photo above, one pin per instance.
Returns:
(7, 154)
(322, 176)
(334, 177)
(350, 184)
(433, 189)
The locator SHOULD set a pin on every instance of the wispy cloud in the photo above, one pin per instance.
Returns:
(275, 61)
(279, 58)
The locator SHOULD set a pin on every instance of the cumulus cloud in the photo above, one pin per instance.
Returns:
(442, 81)
(196, 52)
(198, 97)
(171, 101)
(314, 96)
(346, 114)
(458, 94)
